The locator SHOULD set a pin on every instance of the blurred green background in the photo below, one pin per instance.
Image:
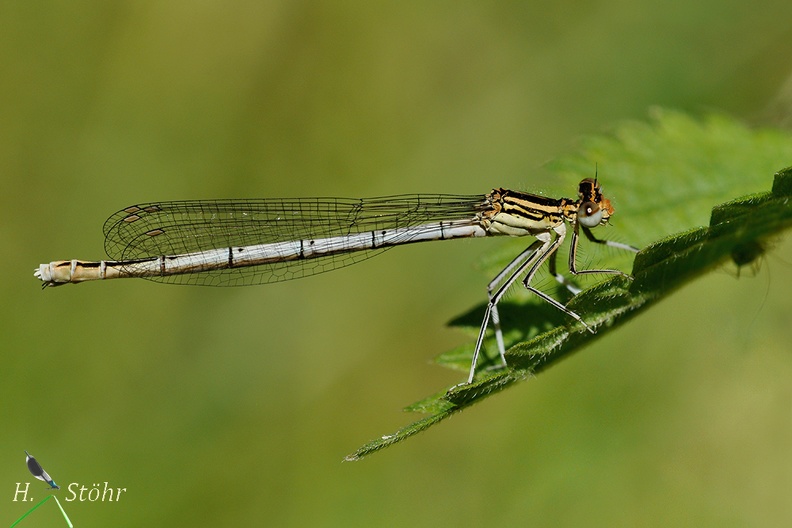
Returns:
(231, 406)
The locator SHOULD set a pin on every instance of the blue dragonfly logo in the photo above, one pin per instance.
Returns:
(37, 471)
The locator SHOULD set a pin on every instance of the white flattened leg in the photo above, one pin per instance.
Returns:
(505, 278)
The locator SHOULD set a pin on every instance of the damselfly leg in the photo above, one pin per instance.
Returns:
(528, 263)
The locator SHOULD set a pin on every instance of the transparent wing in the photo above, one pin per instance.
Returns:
(173, 228)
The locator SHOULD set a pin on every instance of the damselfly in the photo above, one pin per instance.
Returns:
(37, 471)
(242, 242)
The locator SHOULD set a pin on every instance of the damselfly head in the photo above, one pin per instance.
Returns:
(594, 209)
(589, 190)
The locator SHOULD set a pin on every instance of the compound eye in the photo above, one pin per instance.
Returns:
(589, 215)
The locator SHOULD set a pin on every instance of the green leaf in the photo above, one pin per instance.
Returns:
(663, 177)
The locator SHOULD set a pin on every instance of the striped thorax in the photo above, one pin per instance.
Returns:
(515, 213)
